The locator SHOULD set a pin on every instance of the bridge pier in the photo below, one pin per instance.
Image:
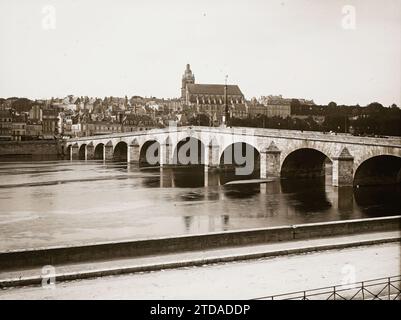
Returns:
(166, 178)
(270, 162)
(343, 169)
(108, 152)
(162, 155)
(165, 154)
(74, 152)
(345, 202)
(212, 157)
(169, 153)
(90, 152)
(133, 153)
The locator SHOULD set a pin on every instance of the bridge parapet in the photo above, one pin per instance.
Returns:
(256, 132)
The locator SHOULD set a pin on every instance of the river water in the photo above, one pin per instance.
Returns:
(49, 203)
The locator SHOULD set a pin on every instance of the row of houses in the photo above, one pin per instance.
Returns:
(51, 122)
(18, 127)
(124, 123)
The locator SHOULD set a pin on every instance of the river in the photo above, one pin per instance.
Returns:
(51, 203)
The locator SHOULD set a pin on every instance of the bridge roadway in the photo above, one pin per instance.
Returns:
(286, 153)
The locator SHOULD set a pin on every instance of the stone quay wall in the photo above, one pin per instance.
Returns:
(11, 260)
(34, 149)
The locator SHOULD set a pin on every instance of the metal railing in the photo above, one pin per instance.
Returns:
(377, 289)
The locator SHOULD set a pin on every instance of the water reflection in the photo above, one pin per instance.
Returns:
(58, 202)
(303, 195)
(241, 191)
(345, 201)
(187, 177)
(188, 221)
(377, 201)
(306, 194)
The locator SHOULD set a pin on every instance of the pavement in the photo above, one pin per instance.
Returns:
(236, 280)
(290, 266)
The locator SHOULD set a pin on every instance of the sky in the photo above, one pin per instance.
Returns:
(309, 49)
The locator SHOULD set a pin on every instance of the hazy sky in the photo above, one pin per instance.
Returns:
(297, 48)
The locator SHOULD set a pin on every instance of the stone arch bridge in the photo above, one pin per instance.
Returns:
(285, 153)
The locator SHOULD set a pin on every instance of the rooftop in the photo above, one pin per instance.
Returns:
(213, 89)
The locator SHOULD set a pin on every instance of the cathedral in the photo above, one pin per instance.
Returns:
(209, 98)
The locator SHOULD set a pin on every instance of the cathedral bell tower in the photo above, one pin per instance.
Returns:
(187, 78)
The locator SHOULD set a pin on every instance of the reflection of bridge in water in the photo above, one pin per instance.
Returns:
(301, 196)
(275, 153)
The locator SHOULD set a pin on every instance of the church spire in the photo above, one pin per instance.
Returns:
(187, 78)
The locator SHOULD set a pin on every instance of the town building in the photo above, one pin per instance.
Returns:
(36, 113)
(50, 123)
(18, 128)
(278, 99)
(209, 98)
(5, 124)
(239, 110)
(277, 106)
(33, 130)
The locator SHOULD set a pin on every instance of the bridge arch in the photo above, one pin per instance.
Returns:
(378, 170)
(189, 151)
(243, 156)
(216, 140)
(304, 163)
(120, 151)
(99, 151)
(82, 152)
(149, 154)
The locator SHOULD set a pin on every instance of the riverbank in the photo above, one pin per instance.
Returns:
(101, 251)
(219, 274)
(23, 267)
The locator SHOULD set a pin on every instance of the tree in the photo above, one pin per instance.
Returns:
(200, 119)
(22, 105)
